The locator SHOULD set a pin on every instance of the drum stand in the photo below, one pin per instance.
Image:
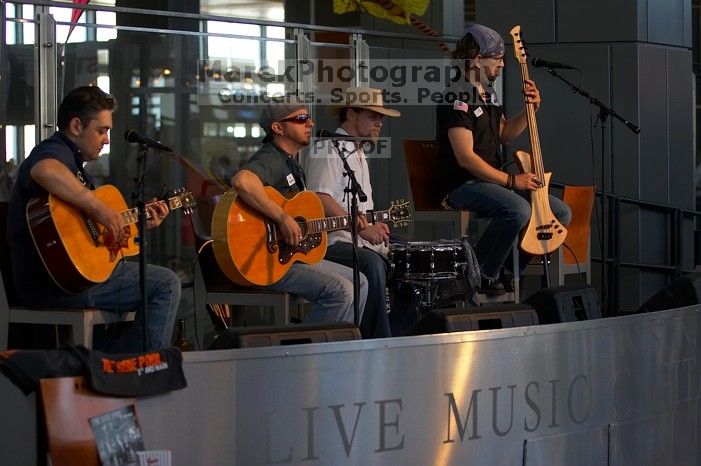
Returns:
(429, 294)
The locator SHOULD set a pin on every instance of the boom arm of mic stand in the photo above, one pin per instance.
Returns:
(604, 110)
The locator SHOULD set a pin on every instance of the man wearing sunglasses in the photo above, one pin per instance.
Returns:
(327, 285)
(361, 115)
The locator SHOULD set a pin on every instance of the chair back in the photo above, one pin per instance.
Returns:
(580, 199)
(421, 157)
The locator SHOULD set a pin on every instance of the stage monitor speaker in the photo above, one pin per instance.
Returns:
(248, 337)
(682, 292)
(565, 304)
(476, 318)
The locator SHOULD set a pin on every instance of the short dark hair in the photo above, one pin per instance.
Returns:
(84, 103)
(467, 47)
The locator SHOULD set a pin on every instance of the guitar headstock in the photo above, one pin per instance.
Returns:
(179, 198)
(400, 212)
(519, 47)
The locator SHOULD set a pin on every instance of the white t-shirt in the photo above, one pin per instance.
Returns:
(324, 172)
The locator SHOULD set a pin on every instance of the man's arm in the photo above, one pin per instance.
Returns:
(55, 178)
(251, 190)
(375, 234)
(462, 143)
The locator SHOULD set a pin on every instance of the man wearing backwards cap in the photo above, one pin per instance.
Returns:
(327, 285)
(325, 174)
(471, 130)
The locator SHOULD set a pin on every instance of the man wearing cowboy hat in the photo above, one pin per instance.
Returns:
(360, 115)
(327, 285)
(471, 130)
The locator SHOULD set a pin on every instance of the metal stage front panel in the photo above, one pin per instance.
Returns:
(620, 391)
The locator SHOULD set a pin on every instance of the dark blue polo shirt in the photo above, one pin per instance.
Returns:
(28, 271)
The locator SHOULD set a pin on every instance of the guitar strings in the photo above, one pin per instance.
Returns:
(536, 156)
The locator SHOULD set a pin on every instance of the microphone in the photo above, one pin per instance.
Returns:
(539, 62)
(132, 136)
(326, 134)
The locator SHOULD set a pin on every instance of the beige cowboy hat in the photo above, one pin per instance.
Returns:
(362, 97)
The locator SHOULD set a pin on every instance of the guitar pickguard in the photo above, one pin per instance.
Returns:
(307, 244)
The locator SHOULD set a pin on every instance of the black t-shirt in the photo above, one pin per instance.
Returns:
(28, 271)
(276, 168)
(482, 118)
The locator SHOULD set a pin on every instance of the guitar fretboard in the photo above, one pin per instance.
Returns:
(375, 216)
(132, 215)
(327, 224)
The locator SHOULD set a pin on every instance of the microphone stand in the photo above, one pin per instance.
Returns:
(356, 192)
(604, 113)
(138, 199)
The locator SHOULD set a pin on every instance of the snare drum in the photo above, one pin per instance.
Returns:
(427, 260)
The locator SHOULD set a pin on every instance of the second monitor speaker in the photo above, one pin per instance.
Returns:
(476, 318)
(565, 304)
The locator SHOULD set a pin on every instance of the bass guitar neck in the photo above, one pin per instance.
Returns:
(544, 233)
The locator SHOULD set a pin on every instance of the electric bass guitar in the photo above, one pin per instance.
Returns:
(251, 251)
(73, 245)
(544, 232)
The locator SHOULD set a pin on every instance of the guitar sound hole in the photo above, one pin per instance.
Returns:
(92, 229)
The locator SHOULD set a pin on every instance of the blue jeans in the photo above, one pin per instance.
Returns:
(510, 213)
(328, 286)
(375, 323)
(120, 293)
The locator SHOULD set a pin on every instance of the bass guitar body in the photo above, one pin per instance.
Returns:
(544, 232)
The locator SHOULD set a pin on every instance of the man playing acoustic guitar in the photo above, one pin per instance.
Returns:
(470, 131)
(55, 166)
(327, 285)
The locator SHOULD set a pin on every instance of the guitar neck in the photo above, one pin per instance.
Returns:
(132, 215)
(327, 224)
(536, 154)
(375, 216)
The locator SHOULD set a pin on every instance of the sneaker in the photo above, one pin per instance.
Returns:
(507, 279)
(491, 287)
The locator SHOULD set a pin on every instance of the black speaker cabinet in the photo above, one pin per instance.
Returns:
(476, 318)
(565, 304)
(248, 337)
(684, 291)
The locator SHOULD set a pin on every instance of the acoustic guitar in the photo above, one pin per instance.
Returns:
(73, 245)
(249, 248)
(544, 232)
